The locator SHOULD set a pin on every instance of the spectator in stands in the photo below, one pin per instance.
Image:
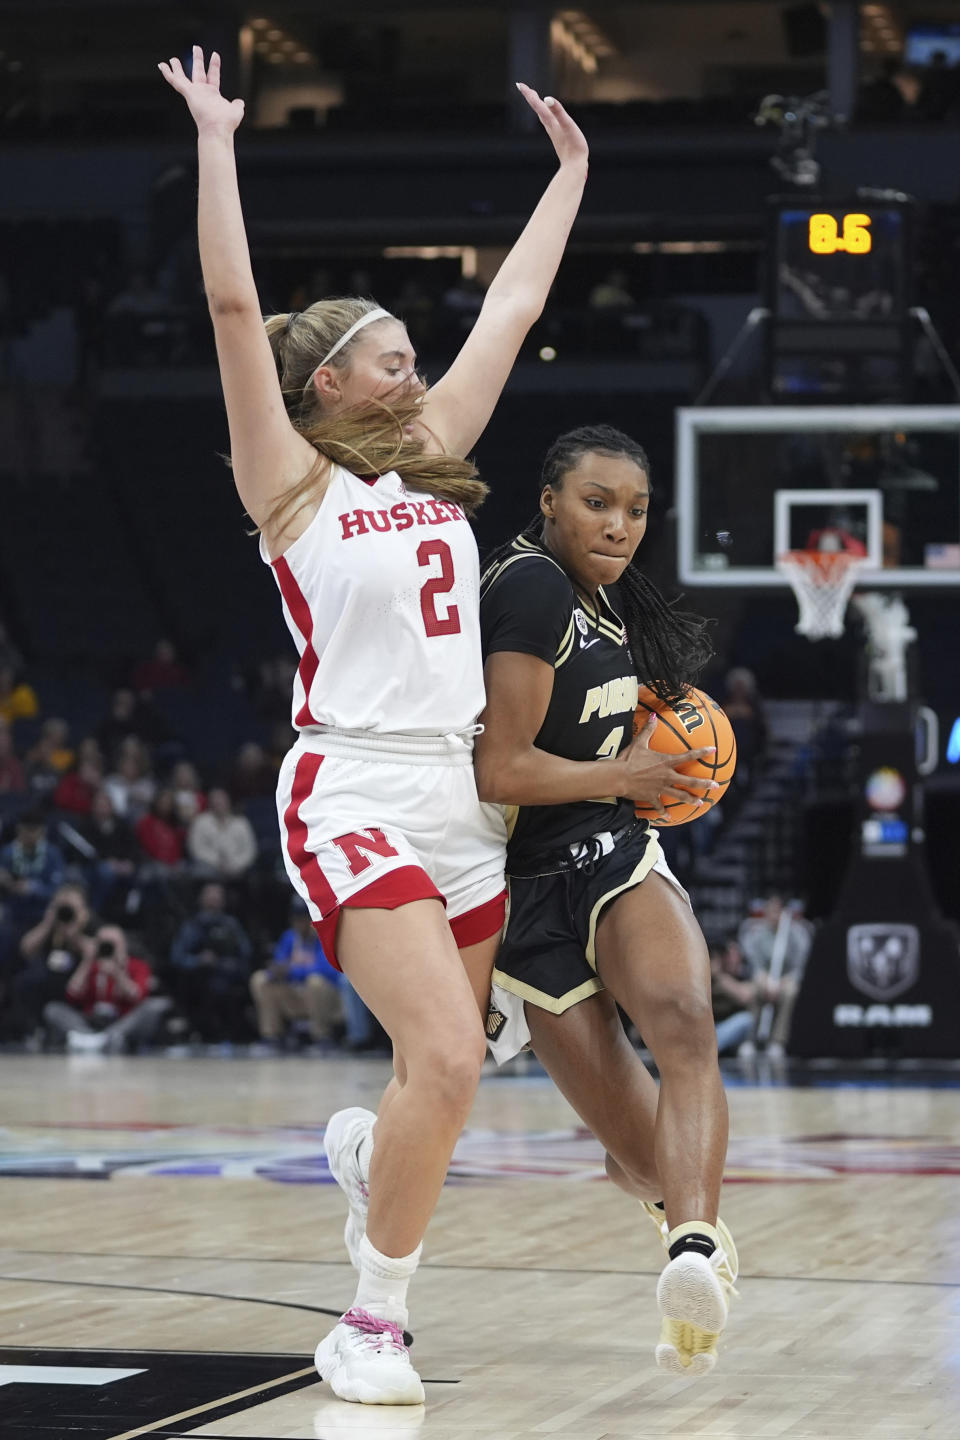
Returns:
(115, 853)
(119, 723)
(160, 833)
(49, 759)
(882, 100)
(191, 795)
(776, 945)
(744, 710)
(18, 700)
(734, 996)
(939, 90)
(210, 968)
(130, 785)
(221, 843)
(251, 774)
(107, 1004)
(298, 984)
(188, 794)
(12, 778)
(76, 790)
(162, 672)
(31, 868)
(611, 293)
(129, 715)
(50, 950)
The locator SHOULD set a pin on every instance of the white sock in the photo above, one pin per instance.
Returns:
(365, 1155)
(382, 1288)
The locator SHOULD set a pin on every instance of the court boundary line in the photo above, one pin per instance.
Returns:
(166, 1290)
(469, 1269)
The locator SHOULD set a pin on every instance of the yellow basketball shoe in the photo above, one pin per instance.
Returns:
(726, 1239)
(694, 1295)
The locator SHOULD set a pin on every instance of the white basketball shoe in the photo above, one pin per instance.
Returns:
(365, 1359)
(344, 1133)
(694, 1295)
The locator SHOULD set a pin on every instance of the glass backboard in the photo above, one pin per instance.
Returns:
(732, 462)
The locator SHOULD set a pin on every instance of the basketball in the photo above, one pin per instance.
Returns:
(688, 724)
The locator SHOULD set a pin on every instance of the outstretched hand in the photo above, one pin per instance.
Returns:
(652, 778)
(567, 137)
(210, 109)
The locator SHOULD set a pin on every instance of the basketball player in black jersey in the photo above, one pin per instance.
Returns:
(596, 920)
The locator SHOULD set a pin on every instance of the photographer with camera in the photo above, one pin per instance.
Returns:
(49, 953)
(107, 1005)
(210, 969)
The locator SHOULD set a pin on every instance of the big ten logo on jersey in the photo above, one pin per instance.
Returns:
(402, 516)
(580, 620)
(688, 715)
(359, 845)
(616, 697)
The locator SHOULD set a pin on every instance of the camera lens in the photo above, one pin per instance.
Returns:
(105, 949)
(64, 912)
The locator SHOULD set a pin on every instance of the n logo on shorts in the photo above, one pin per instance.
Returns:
(374, 842)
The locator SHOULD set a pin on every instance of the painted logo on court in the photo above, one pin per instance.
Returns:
(293, 1155)
(883, 960)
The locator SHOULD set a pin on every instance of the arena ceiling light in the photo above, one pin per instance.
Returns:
(581, 39)
(879, 29)
(277, 46)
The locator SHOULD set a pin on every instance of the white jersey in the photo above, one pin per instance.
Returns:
(381, 595)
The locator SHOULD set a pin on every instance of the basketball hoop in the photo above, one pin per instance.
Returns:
(823, 582)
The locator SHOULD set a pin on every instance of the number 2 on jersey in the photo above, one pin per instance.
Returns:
(434, 624)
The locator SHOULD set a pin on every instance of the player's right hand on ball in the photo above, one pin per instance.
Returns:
(651, 778)
(210, 109)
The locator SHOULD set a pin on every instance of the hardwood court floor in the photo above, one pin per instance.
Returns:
(159, 1218)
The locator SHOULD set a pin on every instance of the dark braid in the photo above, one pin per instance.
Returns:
(670, 647)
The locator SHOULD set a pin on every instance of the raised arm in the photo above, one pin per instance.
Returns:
(459, 405)
(268, 454)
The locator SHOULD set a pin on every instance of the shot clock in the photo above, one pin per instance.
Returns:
(828, 233)
(838, 290)
(840, 261)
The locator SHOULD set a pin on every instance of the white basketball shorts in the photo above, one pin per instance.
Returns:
(378, 821)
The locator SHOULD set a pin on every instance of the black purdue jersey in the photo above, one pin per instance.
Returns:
(528, 604)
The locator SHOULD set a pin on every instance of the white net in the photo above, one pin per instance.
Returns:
(823, 582)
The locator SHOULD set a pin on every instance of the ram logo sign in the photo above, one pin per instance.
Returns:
(883, 960)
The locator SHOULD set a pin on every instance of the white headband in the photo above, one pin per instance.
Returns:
(367, 319)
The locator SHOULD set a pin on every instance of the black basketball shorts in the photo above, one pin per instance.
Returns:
(548, 956)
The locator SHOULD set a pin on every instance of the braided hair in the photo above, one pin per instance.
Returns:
(670, 647)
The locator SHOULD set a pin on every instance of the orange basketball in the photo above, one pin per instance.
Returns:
(688, 724)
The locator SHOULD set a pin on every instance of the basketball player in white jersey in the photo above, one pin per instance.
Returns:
(354, 475)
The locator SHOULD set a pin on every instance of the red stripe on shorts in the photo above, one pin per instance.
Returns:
(388, 892)
(482, 922)
(296, 603)
(317, 885)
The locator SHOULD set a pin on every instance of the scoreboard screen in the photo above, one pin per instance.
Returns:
(839, 262)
